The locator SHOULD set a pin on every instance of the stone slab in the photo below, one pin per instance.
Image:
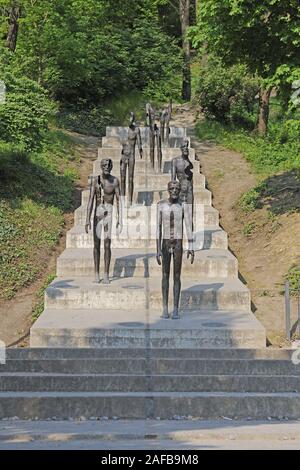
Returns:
(92, 328)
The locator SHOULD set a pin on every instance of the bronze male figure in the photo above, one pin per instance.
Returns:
(128, 157)
(171, 214)
(155, 141)
(103, 189)
(165, 118)
(182, 170)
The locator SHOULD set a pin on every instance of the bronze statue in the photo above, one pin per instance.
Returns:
(155, 141)
(165, 118)
(128, 157)
(103, 189)
(171, 214)
(157, 138)
(182, 170)
(134, 136)
(151, 123)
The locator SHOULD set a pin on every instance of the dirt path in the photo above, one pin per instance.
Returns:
(264, 254)
(16, 314)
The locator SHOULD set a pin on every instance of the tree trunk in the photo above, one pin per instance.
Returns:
(263, 112)
(13, 27)
(185, 23)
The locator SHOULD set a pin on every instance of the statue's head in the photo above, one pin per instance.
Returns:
(132, 120)
(106, 166)
(185, 147)
(126, 149)
(174, 188)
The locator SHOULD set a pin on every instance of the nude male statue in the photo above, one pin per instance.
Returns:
(165, 118)
(155, 141)
(182, 171)
(103, 189)
(128, 157)
(171, 214)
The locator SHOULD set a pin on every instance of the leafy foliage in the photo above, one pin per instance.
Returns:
(227, 93)
(25, 116)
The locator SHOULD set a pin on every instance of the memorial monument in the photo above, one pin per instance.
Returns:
(103, 190)
(171, 214)
(165, 118)
(155, 141)
(128, 157)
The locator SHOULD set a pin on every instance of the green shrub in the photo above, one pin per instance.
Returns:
(25, 115)
(227, 93)
(293, 276)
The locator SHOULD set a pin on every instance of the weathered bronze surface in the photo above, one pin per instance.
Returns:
(103, 189)
(171, 216)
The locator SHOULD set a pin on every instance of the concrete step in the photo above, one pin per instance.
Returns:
(211, 238)
(142, 263)
(139, 293)
(144, 197)
(53, 382)
(166, 405)
(156, 182)
(122, 132)
(149, 367)
(143, 166)
(205, 217)
(115, 353)
(114, 153)
(116, 142)
(144, 329)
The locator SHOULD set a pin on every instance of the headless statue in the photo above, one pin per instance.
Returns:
(165, 118)
(171, 214)
(103, 189)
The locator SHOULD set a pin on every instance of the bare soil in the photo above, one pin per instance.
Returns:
(266, 241)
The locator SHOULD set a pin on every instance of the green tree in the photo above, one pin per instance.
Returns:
(265, 35)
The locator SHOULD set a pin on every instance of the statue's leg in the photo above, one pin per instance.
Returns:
(107, 246)
(159, 153)
(97, 246)
(166, 261)
(177, 265)
(131, 179)
(168, 131)
(123, 167)
(162, 131)
(190, 201)
(152, 147)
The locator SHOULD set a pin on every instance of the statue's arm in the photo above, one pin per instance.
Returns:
(90, 203)
(139, 142)
(188, 222)
(174, 170)
(119, 205)
(158, 233)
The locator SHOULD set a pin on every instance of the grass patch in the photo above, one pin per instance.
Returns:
(279, 151)
(293, 276)
(249, 228)
(35, 192)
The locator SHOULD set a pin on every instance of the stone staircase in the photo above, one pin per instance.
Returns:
(215, 304)
(103, 351)
(142, 383)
